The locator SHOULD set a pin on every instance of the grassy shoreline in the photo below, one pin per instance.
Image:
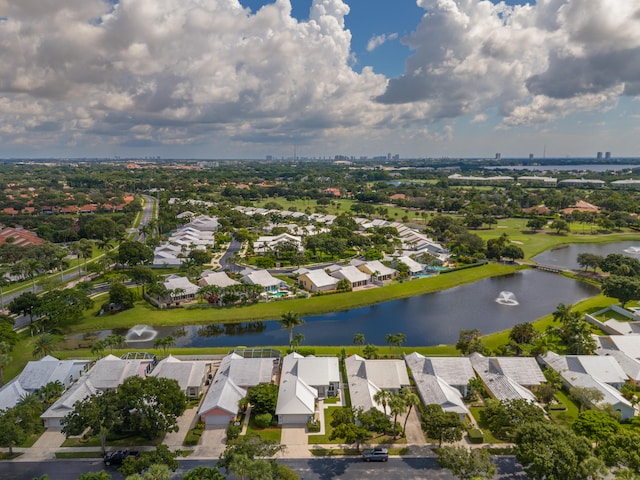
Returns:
(143, 313)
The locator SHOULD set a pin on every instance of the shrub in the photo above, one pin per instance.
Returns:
(263, 420)
(557, 406)
(313, 426)
(476, 436)
(233, 431)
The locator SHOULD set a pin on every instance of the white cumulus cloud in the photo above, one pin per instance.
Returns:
(378, 40)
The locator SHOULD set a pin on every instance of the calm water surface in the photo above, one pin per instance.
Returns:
(429, 319)
(565, 256)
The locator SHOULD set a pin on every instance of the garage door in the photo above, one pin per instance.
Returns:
(217, 419)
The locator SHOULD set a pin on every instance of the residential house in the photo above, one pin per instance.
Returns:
(180, 288)
(377, 270)
(321, 373)
(368, 377)
(442, 381)
(37, 374)
(355, 277)
(508, 378)
(270, 243)
(191, 375)
(317, 281)
(573, 375)
(296, 398)
(415, 268)
(19, 236)
(230, 384)
(216, 279)
(108, 373)
(264, 279)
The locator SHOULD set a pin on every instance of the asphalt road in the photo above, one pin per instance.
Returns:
(308, 469)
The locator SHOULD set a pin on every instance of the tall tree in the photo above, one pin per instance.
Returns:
(358, 339)
(411, 400)
(289, 320)
(550, 452)
(443, 426)
(623, 288)
(383, 397)
(5, 359)
(467, 464)
(43, 345)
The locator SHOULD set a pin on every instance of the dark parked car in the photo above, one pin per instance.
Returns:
(377, 454)
(117, 457)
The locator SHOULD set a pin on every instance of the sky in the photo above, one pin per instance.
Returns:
(319, 78)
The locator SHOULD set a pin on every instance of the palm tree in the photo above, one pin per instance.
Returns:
(562, 313)
(290, 320)
(30, 267)
(383, 397)
(397, 405)
(395, 339)
(358, 339)
(411, 400)
(98, 348)
(44, 345)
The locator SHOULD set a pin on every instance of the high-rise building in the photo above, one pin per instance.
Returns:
(599, 156)
(498, 156)
(607, 155)
(531, 156)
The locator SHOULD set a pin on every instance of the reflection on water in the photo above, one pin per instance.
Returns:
(430, 319)
(566, 255)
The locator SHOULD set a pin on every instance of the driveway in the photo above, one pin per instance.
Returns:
(414, 433)
(174, 440)
(294, 438)
(212, 443)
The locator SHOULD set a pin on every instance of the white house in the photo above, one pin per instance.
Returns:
(296, 399)
(264, 279)
(507, 378)
(355, 277)
(37, 374)
(191, 375)
(442, 381)
(377, 270)
(270, 243)
(204, 223)
(217, 279)
(368, 377)
(415, 268)
(573, 375)
(230, 384)
(180, 288)
(317, 281)
(322, 373)
(108, 373)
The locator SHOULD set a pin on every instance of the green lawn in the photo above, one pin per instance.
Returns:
(477, 413)
(145, 313)
(568, 416)
(273, 433)
(112, 441)
(326, 421)
(535, 243)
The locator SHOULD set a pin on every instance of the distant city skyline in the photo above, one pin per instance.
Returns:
(214, 79)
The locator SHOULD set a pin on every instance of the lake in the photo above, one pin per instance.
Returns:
(429, 319)
(565, 256)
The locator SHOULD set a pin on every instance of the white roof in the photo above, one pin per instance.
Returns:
(351, 273)
(629, 344)
(630, 365)
(11, 393)
(173, 282)
(453, 370)
(319, 371)
(261, 277)
(363, 375)
(502, 386)
(205, 223)
(186, 373)
(106, 374)
(219, 279)
(37, 374)
(414, 267)
(320, 278)
(604, 368)
(295, 396)
(233, 376)
(378, 266)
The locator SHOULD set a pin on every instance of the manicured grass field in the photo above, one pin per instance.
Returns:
(274, 433)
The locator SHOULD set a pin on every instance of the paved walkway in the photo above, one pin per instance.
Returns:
(174, 440)
(44, 448)
(414, 431)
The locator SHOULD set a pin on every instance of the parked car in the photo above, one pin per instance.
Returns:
(117, 457)
(377, 454)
